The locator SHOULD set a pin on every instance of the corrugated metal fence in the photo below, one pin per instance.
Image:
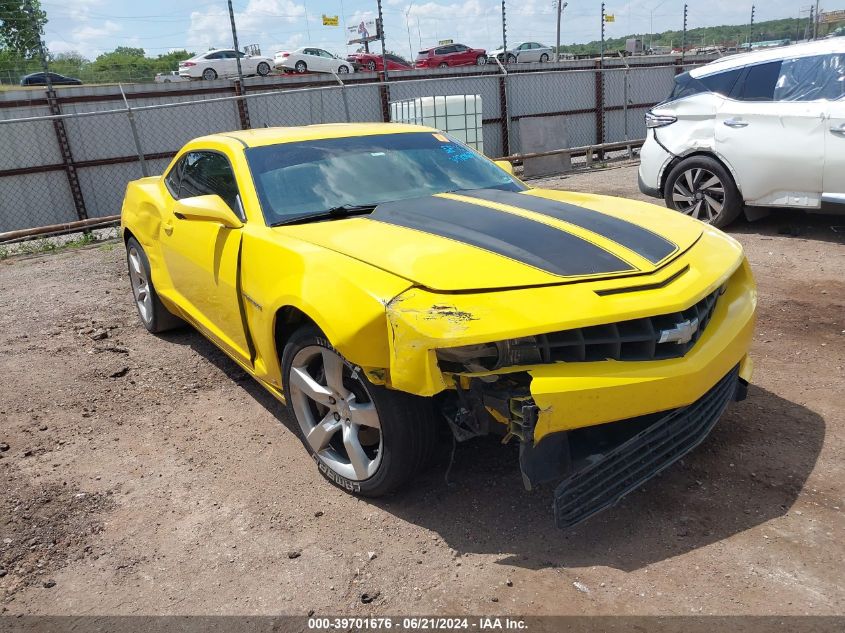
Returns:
(68, 155)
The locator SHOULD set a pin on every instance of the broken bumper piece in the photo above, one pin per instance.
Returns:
(612, 475)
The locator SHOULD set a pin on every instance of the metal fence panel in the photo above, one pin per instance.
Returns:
(39, 199)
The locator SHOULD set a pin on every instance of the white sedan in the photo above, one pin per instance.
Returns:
(309, 59)
(526, 52)
(222, 63)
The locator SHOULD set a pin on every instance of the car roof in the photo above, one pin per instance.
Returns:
(275, 135)
(804, 49)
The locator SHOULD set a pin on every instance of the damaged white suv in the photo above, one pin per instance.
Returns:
(764, 129)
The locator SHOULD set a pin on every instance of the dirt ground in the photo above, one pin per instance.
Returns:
(150, 475)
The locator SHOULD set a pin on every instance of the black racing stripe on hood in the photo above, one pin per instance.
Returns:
(533, 243)
(645, 243)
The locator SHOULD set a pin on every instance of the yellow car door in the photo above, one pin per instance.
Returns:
(202, 256)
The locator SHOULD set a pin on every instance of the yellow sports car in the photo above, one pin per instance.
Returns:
(381, 279)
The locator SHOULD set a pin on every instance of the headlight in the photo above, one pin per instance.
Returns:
(490, 356)
(653, 120)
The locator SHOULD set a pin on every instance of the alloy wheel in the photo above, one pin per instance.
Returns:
(140, 285)
(335, 412)
(699, 193)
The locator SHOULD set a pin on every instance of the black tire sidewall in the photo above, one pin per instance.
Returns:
(396, 465)
(732, 205)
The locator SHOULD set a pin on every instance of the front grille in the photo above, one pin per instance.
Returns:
(625, 468)
(637, 339)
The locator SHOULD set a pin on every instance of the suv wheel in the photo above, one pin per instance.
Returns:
(365, 438)
(703, 189)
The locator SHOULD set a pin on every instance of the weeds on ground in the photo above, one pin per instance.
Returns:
(49, 245)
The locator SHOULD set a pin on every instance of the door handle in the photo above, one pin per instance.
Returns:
(839, 129)
(735, 123)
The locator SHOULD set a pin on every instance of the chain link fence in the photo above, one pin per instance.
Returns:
(67, 165)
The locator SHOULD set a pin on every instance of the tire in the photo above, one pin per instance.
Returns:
(393, 444)
(702, 188)
(443, 65)
(481, 60)
(371, 66)
(342, 70)
(209, 74)
(300, 67)
(154, 316)
(544, 58)
(263, 69)
(511, 59)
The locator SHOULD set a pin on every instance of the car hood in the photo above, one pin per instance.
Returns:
(491, 239)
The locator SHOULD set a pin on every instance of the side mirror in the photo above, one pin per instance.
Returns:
(506, 165)
(210, 208)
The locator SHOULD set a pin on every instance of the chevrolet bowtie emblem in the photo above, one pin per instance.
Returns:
(682, 332)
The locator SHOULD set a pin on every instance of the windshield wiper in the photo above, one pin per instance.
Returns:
(335, 213)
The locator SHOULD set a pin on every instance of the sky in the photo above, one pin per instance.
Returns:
(91, 27)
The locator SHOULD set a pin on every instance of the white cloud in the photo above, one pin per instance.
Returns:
(260, 22)
(85, 37)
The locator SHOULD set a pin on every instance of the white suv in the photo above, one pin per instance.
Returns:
(766, 129)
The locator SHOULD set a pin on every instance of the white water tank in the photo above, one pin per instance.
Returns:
(457, 115)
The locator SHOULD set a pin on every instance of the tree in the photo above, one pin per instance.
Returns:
(21, 22)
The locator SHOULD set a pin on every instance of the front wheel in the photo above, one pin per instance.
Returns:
(365, 438)
(442, 65)
(263, 69)
(544, 58)
(702, 188)
(342, 70)
(511, 59)
(154, 316)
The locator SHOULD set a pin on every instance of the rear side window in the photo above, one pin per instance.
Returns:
(811, 78)
(759, 82)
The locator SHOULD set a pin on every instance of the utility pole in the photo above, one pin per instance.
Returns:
(684, 36)
(816, 21)
(560, 8)
(751, 28)
(408, 27)
(42, 53)
(504, 34)
(244, 108)
(380, 27)
(601, 51)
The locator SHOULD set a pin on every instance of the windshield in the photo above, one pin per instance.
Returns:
(310, 177)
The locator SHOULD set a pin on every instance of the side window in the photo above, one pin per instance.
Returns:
(811, 78)
(214, 56)
(460, 48)
(759, 82)
(174, 178)
(721, 83)
(207, 173)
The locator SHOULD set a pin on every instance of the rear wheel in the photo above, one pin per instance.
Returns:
(481, 60)
(442, 65)
(301, 67)
(209, 74)
(702, 188)
(263, 69)
(365, 438)
(154, 316)
(371, 65)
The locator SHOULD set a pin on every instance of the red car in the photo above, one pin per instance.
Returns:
(374, 63)
(451, 55)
